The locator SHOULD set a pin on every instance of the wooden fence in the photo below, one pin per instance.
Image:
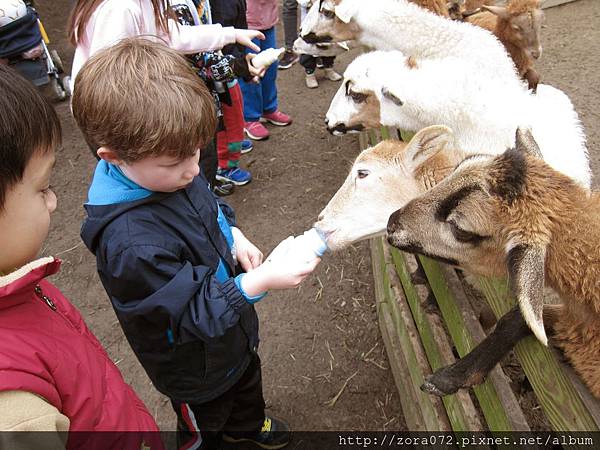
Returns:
(425, 315)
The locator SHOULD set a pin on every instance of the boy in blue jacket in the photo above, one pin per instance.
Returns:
(168, 252)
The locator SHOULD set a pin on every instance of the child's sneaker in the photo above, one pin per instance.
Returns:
(311, 81)
(256, 131)
(247, 146)
(288, 59)
(332, 75)
(277, 118)
(274, 434)
(235, 175)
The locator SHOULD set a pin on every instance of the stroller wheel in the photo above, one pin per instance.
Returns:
(59, 93)
(57, 61)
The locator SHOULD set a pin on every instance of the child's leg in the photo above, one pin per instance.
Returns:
(330, 74)
(269, 81)
(208, 161)
(233, 116)
(309, 63)
(247, 421)
(222, 150)
(206, 422)
(252, 92)
(248, 409)
(328, 61)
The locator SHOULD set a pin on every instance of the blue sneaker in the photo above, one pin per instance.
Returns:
(247, 146)
(235, 175)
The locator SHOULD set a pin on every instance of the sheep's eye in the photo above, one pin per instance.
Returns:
(464, 236)
(328, 14)
(358, 97)
(362, 173)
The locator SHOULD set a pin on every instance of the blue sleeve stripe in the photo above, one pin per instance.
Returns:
(249, 299)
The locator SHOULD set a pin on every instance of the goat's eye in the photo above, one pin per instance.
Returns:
(362, 173)
(328, 14)
(464, 236)
(358, 97)
(515, 27)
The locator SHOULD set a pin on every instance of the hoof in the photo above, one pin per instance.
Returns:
(431, 388)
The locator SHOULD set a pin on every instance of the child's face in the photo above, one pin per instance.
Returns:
(163, 173)
(25, 218)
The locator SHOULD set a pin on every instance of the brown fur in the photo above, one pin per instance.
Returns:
(518, 202)
(369, 114)
(552, 210)
(440, 7)
(512, 39)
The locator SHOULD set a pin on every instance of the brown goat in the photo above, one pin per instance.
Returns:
(514, 214)
(517, 26)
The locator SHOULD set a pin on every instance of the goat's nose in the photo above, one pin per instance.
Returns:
(326, 121)
(394, 224)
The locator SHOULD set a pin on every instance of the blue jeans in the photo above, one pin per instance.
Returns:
(261, 98)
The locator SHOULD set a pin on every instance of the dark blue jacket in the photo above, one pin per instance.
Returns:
(158, 258)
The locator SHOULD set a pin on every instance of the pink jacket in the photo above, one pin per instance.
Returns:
(46, 349)
(262, 14)
(117, 19)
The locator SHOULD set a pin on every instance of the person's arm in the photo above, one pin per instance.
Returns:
(111, 22)
(157, 283)
(26, 412)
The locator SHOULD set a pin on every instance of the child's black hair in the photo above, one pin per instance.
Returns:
(28, 126)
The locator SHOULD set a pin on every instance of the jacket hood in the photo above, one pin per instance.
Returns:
(110, 195)
(27, 276)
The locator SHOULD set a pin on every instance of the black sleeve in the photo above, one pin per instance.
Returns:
(150, 283)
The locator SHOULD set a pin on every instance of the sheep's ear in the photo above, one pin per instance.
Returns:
(346, 9)
(427, 143)
(526, 276)
(499, 11)
(525, 142)
(386, 93)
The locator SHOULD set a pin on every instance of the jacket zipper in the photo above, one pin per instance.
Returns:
(45, 298)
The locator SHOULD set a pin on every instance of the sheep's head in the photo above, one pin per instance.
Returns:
(382, 179)
(482, 217)
(523, 22)
(366, 98)
(330, 21)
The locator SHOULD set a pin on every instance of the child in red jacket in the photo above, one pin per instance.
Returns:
(54, 374)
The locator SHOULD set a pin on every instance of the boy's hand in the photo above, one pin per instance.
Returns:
(257, 74)
(246, 252)
(282, 270)
(244, 37)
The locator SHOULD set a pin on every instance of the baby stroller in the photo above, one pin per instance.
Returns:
(24, 47)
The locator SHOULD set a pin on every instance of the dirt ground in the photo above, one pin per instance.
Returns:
(324, 336)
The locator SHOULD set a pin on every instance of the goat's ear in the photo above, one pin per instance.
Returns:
(525, 143)
(427, 143)
(499, 11)
(526, 272)
(346, 9)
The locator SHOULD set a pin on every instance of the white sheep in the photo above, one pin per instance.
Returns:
(402, 25)
(512, 214)
(387, 88)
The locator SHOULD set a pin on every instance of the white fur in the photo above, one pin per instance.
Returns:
(483, 112)
(402, 25)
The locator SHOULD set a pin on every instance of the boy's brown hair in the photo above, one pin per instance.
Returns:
(140, 98)
(28, 126)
